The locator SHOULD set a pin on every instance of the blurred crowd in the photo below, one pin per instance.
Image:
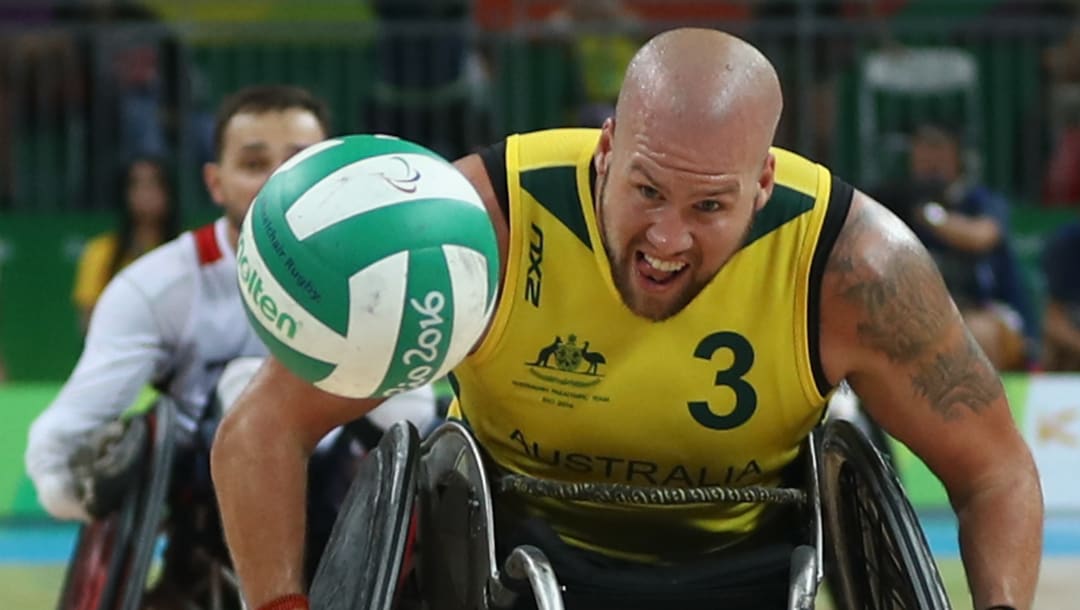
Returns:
(902, 97)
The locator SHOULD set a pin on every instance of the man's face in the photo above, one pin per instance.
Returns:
(147, 197)
(935, 158)
(253, 146)
(672, 212)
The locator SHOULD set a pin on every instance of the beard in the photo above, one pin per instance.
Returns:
(622, 269)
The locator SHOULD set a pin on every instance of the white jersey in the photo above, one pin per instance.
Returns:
(172, 319)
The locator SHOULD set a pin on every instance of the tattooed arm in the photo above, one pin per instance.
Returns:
(890, 328)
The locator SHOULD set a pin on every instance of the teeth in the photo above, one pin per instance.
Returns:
(665, 266)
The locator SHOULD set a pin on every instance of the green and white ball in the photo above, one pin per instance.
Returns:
(368, 265)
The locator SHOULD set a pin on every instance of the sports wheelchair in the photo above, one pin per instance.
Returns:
(418, 530)
(117, 561)
(163, 547)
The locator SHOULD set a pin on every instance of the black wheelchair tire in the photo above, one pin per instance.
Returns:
(152, 497)
(95, 572)
(880, 561)
(363, 562)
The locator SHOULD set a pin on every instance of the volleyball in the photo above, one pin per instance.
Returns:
(368, 265)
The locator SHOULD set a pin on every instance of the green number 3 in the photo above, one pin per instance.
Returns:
(732, 377)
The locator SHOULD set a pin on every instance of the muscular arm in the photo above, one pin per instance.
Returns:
(259, 465)
(890, 328)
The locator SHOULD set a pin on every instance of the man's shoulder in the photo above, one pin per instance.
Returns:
(799, 173)
(871, 242)
(179, 261)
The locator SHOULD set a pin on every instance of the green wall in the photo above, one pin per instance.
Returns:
(20, 404)
(39, 329)
(40, 338)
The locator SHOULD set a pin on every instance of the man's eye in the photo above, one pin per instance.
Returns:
(709, 205)
(253, 164)
(648, 192)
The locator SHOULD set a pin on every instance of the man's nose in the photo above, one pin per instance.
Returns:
(668, 233)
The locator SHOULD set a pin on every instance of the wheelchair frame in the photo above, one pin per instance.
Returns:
(456, 540)
(433, 503)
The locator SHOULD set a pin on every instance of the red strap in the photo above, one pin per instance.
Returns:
(292, 601)
(206, 244)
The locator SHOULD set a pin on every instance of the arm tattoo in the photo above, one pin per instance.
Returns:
(902, 298)
(908, 316)
(961, 376)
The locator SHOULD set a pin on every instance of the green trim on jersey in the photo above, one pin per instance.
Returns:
(785, 205)
(555, 188)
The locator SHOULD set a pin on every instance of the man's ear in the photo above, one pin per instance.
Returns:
(212, 177)
(766, 182)
(602, 157)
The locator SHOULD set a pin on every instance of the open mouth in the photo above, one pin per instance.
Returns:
(656, 271)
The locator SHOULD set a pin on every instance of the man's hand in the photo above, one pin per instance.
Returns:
(106, 467)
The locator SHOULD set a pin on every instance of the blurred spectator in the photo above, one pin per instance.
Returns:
(40, 80)
(602, 48)
(108, 79)
(1061, 319)
(830, 56)
(964, 225)
(146, 76)
(148, 218)
(429, 81)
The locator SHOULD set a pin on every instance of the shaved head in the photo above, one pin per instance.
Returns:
(707, 82)
(685, 165)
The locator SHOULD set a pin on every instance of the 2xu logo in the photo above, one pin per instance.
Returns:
(533, 277)
(423, 357)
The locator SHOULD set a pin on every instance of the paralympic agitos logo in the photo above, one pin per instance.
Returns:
(406, 181)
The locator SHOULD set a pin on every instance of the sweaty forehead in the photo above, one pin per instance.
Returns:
(692, 149)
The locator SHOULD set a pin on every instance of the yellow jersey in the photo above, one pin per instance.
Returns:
(570, 385)
(93, 272)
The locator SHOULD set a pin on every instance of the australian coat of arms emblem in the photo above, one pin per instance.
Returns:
(570, 357)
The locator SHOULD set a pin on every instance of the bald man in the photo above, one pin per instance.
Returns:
(702, 293)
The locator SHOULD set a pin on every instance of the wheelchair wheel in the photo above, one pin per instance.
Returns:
(94, 576)
(364, 560)
(112, 557)
(881, 558)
